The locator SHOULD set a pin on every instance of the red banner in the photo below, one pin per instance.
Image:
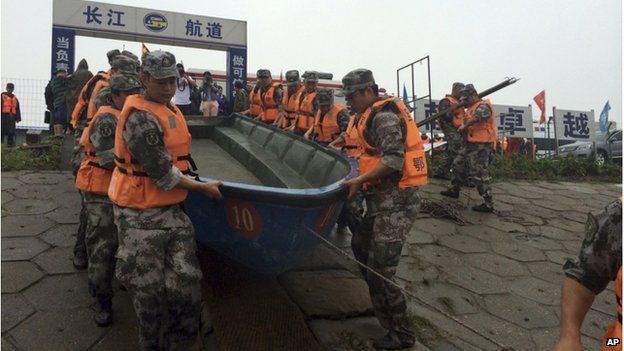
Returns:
(540, 100)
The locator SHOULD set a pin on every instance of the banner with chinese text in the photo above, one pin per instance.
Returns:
(236, 70)
(155, 26)
(63, 49)
(514, 121)
(574, 125)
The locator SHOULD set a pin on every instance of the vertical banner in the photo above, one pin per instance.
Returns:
(236, 70)
(63, 50)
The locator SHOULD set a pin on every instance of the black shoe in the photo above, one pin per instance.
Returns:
(104, 317)
(392, 342)
(483, 208)
(450, 193)
(80, 260)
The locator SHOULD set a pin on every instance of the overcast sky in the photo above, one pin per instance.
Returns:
(573, 49)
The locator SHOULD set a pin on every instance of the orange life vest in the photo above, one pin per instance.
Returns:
(92, 177)
(414, 171)
(9, 104)
(255, 103)
(352, 145)
(92, 109)
(614, 331)
(130, 186)
(328, 129)
(83, 99)
(269, 105)
(459, 114)
(291, 104)
(305, 113)
(484, 131)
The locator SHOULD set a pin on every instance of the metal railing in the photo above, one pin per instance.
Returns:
(30, 93)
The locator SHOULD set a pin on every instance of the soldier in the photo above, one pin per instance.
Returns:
(255, 101)
(79, 113)
(270, 97)
(331, 120)
(93, 180)
(307, 106)
(291, 99)
(241, 101)
(120, 64)
(391, 167)
(599, 262)
(479, 129)
(156, 259)
(449, 123)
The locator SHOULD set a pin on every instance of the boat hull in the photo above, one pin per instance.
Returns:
(268, 228)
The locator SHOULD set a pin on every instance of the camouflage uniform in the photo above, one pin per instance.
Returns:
(125, 63)
(390, 213)
(156, 259)
(454, 140)
(325, 97)
(241, 101)
(600, 257)
(472, 162)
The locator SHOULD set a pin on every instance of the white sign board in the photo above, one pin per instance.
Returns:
(514, 121)
(574, 125)
(511, 121)
(139, 24)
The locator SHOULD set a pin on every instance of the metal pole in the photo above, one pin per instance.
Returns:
(413, 94)
(430, 102)
(398, 88)
(549, 143)
(555, 129)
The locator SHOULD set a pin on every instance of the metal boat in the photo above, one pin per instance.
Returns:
(279, 189)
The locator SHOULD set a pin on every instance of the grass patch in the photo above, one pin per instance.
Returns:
(46, 158)
(555, 169)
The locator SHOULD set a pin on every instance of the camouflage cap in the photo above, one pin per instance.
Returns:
(160, 64)
(357, 79)
(292, 76)
(112, 54)
(263, 73)
(310, 76)
(103, 97)
(130, 55)
(124, 82)
(124, 65)
(325, 96)
(468, 89)
(458, 85)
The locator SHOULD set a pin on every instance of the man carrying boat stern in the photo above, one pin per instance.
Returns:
(156, 259)
(391, 167)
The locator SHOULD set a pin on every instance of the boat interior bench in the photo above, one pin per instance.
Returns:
(276, 158)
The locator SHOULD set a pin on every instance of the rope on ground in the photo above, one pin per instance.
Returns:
(439, 209)
(406, 292)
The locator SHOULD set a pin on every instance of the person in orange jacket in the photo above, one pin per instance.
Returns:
(156, 259)
(331, 120)
(11, 114)
(391, 168)
(93, 180)
(598, 263)
(479, 133)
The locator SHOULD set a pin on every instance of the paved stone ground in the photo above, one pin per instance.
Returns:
(495, 280)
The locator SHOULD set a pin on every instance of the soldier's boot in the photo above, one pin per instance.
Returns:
(393, 342)
(104, 317)
(487, 206)
(451, 192)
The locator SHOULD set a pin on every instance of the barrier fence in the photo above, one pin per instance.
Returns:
(30, 93)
